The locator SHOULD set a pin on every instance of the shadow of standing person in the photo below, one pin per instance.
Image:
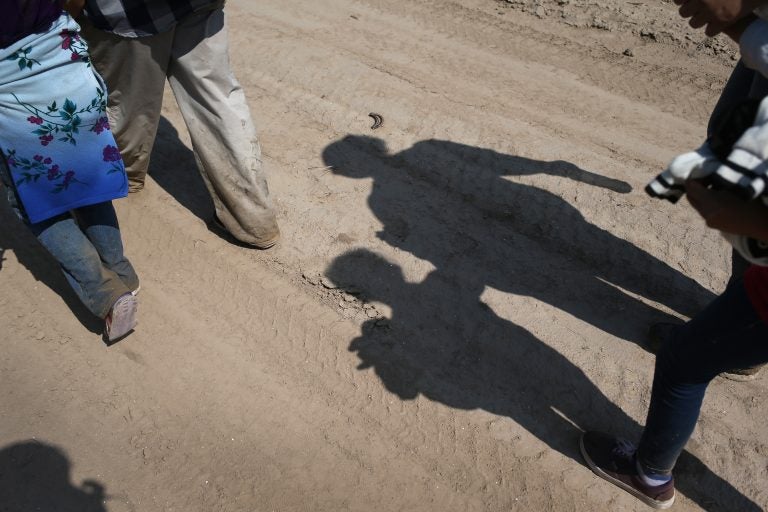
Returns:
(444, 343)
(35, 476)
(449, 204)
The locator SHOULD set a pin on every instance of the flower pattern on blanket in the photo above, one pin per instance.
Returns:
(62, 121)
(23, 59)
(55, 136)
(72, 42)
(33, 169)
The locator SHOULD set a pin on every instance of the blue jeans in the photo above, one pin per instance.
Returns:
(727, 335)
(87, 244)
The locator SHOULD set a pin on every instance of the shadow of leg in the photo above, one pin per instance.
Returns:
(445, 344)
(16, 237)
(174, 168)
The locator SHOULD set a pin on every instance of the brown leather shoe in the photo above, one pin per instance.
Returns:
(613, 459)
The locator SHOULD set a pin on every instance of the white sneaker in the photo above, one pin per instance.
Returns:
(121, 319)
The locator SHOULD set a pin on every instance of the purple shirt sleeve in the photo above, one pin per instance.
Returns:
(19, 18)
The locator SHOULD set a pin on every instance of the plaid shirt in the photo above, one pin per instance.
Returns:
(136, 18)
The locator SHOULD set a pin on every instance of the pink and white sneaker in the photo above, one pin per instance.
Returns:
(121, 319)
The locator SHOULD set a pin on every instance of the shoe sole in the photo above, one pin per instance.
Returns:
(266, 245)
(660, 505)
(216, 222)
(739, 377)
(122, 318)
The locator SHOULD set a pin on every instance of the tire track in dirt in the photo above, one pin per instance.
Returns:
(317, 92)
(551, 43)
(512, 87)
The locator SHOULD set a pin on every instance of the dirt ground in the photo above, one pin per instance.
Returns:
(456, 295)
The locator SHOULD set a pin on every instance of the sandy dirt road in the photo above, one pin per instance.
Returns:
(457, 292)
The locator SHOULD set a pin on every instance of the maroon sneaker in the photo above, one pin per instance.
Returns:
(614, 460)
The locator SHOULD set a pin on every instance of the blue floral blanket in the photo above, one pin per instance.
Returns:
(54, 132)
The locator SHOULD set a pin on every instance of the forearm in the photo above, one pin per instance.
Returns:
(727, 212)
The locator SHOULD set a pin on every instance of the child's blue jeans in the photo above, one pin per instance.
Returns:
(727, 335)
(87, 244)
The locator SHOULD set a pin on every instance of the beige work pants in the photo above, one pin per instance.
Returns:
(194, 57)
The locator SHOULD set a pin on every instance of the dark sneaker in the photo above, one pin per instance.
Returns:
(614, 460)
(121, 319)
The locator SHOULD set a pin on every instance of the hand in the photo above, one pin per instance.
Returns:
(727, 212)
(716, 15)
(74, 7)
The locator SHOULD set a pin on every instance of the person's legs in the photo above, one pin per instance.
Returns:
(663, 332)
(727, 335)
(99, 223)
(134, 70)
(97, 287)
(223, 136)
